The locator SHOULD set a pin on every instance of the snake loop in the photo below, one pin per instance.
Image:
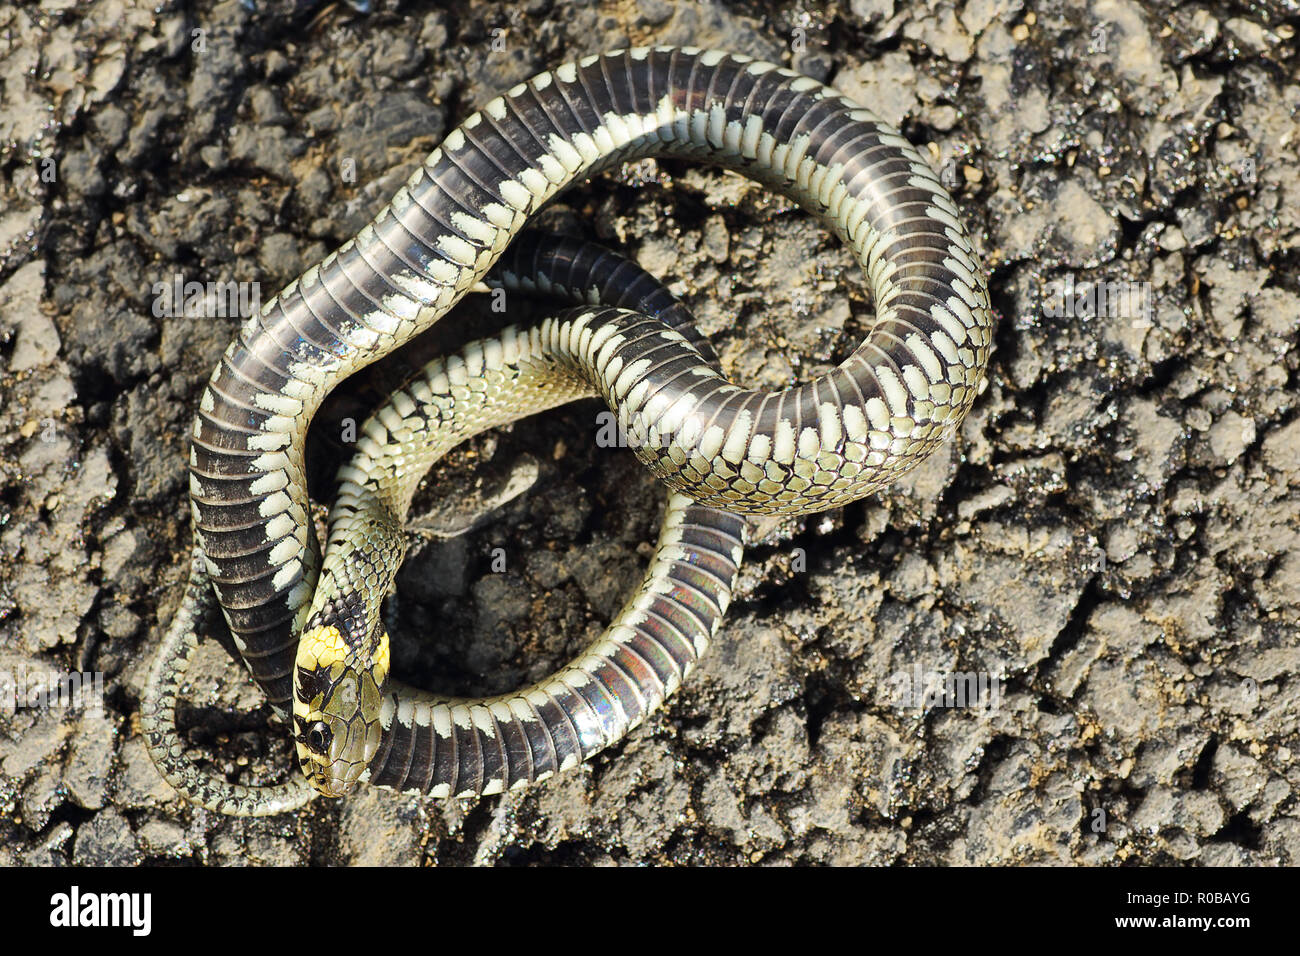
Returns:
(795, 451)
(647, 651)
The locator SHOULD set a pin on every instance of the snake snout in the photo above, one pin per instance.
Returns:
(332, 752)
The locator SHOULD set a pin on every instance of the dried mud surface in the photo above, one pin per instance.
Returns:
(1114, 533)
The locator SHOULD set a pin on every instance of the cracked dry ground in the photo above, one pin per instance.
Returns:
(1114, 530)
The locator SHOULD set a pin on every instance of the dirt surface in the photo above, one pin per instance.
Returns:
(1111, 545)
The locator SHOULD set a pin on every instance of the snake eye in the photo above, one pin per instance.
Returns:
(318, 738)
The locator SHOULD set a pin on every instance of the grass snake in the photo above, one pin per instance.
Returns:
(799, 450)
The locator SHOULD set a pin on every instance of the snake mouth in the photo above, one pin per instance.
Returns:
(333, 754)
(333, 780)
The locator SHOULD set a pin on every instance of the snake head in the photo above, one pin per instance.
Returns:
(338, 695)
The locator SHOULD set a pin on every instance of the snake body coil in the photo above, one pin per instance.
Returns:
(356, 724)
(796, 451)
(445, 746)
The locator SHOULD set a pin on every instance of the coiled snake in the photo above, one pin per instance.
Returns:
(646, 652)
(796, 451)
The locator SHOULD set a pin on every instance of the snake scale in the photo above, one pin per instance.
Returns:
(795, 451)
